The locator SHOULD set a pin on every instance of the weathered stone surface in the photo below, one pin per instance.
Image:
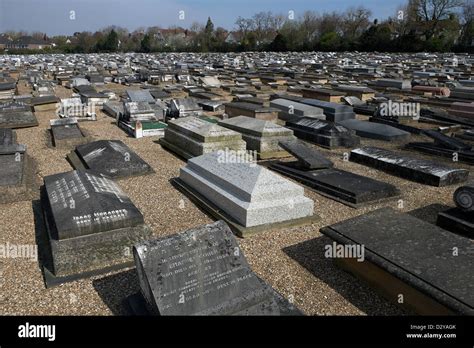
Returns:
(261, 136)
(91, 223)
(290, 110)
(308, 157)
(112, 158)
(17, 119)
(251, 110)
(194, 137)
(373, 130)
(7, 137)
(422, 171)
(323, 133)
(416, 252)
(202, 271)
(249, 193)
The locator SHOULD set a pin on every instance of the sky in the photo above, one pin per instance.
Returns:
(64, 17)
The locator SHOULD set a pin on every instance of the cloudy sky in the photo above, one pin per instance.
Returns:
(55, 17)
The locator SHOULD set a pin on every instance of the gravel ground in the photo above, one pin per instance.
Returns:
(291, 260)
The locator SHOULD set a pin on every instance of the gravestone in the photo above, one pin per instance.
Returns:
(91, 226)
(202, 271)
(18, 179)
(403, 254)
(67, 133)
(334, 112)
(140, 96)
(184, 107)
(414, 169)
(377, 131)
(251, 110)
(261, 136)
(248, 194)
(192, 136)
(460, 220)
(17, 119)
(323, 133)
(109, 157)
(290, 110)
(317, 172)
(307, 157)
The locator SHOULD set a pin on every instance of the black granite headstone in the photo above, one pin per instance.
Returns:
(91, 225)
(308, 157)
(110, 157)
(202, 271)
(422, 171)
(373, 130)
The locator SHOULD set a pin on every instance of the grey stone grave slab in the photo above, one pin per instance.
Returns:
(404, 253)
(323, 133)
(290, 110)
(191, 136)
(202, 271)
(377, 131)
(260, 135)
(140, 96)
(334, 112)
(109, 157)
(66, 132)
(250, 195)
(91, 226)
(422, 171)
(251, 110)
(17, 119)
(18, 179)
(308, 157)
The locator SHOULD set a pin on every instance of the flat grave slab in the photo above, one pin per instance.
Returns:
(18, 119)
(247, 196)
(377, 131)
(406, 255)
(109, 157)
(91, 225)
(306, 156)
(411, 168)
(251, 110)
(66, 132)
(202, 271)
(18, 178)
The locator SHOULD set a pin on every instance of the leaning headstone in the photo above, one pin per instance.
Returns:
(247, 196)
(377, 131)
(202, 271)
(261, 136)
(192, 136)
(399, 251)
(422, 171)
(67, 133)
(460, 220)
(91, 226)
(109, 157)
(323, 133)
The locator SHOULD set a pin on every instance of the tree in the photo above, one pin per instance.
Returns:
(145, 44)
(279, 44)
(432, 12)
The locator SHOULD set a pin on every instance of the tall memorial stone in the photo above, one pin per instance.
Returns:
(191, 136)
(109, 157)
(202, 271)
(419, 170)
(91, 226)
(261, 136)
(248, 195)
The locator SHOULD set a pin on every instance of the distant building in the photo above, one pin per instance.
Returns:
(24, 42)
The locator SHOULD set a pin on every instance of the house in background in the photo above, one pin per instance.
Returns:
(24, 42)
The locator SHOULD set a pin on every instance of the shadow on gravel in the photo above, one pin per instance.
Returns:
(310, 255)
(114, 289)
